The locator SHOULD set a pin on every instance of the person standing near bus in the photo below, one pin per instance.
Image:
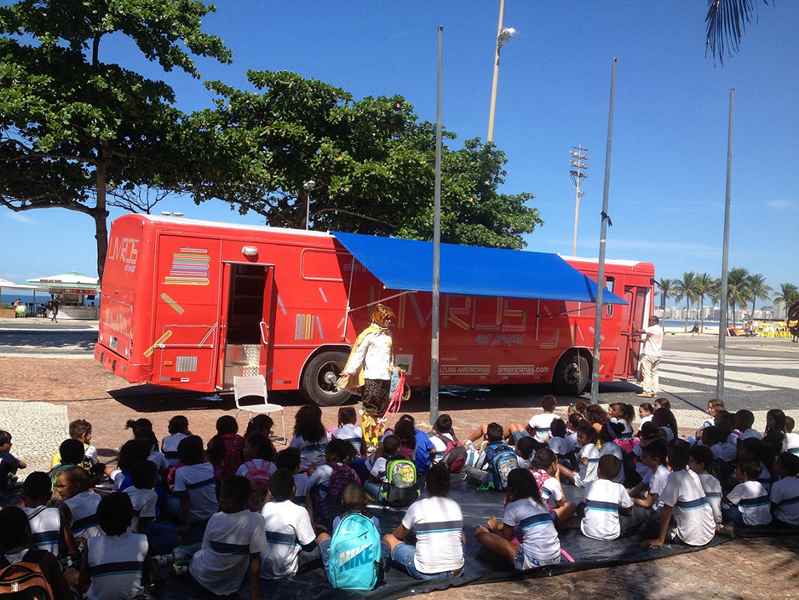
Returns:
(650, 357)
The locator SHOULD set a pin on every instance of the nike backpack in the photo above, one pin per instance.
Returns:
(354, 562)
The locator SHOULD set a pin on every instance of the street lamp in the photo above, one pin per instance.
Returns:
(503, 35)
(308, 186)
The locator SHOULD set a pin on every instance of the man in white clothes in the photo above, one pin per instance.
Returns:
(652, 337)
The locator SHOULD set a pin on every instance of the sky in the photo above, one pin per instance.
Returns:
(666, 192)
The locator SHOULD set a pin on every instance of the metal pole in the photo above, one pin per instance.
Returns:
(307, 210)
(725, 257)
(434, 342)
(602, 238)
(576, 216)
(495, 80)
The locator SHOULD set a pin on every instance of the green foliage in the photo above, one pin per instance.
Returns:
(371, 161)
(789, 294)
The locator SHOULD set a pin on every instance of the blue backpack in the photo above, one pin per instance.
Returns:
(354, 562)
(501, 461)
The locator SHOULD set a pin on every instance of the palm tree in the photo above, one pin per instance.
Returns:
(789, 294)
(727, 21)
(666, 289)
(704, 285)
(737, 289)
(684, 288)
(758, 290)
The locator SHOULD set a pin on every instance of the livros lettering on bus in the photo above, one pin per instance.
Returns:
(125, 251)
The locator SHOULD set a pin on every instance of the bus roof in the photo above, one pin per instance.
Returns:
(239, 226)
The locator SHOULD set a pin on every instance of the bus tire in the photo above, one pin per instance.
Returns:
(572, 374)
(319, 379)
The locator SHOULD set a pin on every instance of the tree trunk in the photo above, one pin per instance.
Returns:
(100, 215)
(733, 314)
(754, 301)
(687, 314)
(701, 314)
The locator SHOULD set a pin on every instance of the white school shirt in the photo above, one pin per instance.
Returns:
(169, 446)
(524, 463)
(533, 526)
(551, 492)
(438, 525)
(259, 464)
(628, 429)
(159, 460)
(790, 443)
(198, 482)
(90, 452)
(752, 500)
(144, 502)
(749, 433)
(724, 451)
(287, 528)
(764, 477)
(117, 477)
(352, 433)
(221, 563)
(45, 528)
(587, 472)
(541, 424)
(653, 342)
(562, 445)
(646, 419)
(320, 479)
(378, 470)
(312, 454)
(603, 500)
(614, 450)
(785, 498)
(692, 513)
(83, 507)
(300, 487)
(713, 493)
(374, 355)
(116, 563)
(657, 482)
(439, 441)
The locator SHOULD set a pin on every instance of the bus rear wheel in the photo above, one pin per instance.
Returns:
(319, 379)
(572, 374)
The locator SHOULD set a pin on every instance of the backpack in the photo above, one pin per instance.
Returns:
(354, 555)
(402, 488)
(24, 581)
(257, 475)
(328, 508)
(455, 455)
(502, 460)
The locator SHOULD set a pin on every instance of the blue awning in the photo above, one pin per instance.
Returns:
(472, 270)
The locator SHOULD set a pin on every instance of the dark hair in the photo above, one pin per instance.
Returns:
(757, 450)
(5, 437)
(340, 451)
(789, 463)
(226, 424)
(789, 424)
(234, 494)
(308, 423)
(353, 499)
(609, 466)
(38, 485)
(712, 435)
(443, 424)
(557, 428)
(702, 455)
(438, 480)
(78, 428)
(261, 424)
(575, 420)
(16, 529)
(654, 320)
(263, 446)
(657, 450)
(649, 430)
(628, 412)
(347, 415)
(494, 432)
(596, 414)
(744, 419)
(79, 476)
(544, 458)
(178, 424)
(647, 406)
(610, 431)
(391, 445)
(144, 474)
(407, 417)
(143, 430)
(588, 431)
(72, 452)
(132, 452)
(725, 421)
(282, 485)
(288, 458)
(217, 450)
(549, 402)
(750, 469)
(525, 447)
(679, 455)
(715, 403)
(521, 485)
(190, 450)
(115, 513)
(663, 417)
(663, 403)
(775, 429)
(405, 431)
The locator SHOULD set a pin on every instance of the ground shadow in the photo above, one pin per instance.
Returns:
(77, 340)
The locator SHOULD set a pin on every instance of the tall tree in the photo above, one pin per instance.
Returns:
(74, 128)
(370, 161)
(704, 285)
(685, 289)
(758, 290)
(789, 294)
(726, 22)
(737, 289)
(667, 287)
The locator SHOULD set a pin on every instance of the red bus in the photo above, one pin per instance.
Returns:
(189, 304)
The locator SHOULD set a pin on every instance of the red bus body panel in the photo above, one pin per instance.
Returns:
(165, 311)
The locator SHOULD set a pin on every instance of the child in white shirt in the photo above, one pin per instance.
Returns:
(349, 430)
(258, 468)
(195, 487)
(539, 425)
(645, 413)
(587, 459)
(233, 544)
(178, 431)
(785, 492)
(289, 459)
(546, 472)
(744, 419)
(310, 436)
(49, 525)
(561, 443)
(647, 493)
(142, 495)
(700, 458)
(790, 442)
(748, 502)
(604, 501)
(73, 486)
(527, 520)
(525, 452)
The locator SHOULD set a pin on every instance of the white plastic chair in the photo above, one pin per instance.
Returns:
(256, 386)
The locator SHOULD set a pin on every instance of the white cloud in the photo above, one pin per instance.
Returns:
(19, 217)
(782, 204)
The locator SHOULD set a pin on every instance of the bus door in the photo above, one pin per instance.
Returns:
(246, 322)
(632, 323)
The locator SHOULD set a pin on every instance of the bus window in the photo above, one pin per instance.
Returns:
(610, 284)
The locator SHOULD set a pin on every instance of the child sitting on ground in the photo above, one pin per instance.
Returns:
(526, 452)
(446, 444)
(700, 459)
(289, 459)
(9, 464)
(587, 459)
(226, 448)
(785, 492)
(608, 446)
(645, 413)
(80, 430)
(310, 436)
(715, 439)
(546, 473)
(348, 429)
(178, 431)
(113, 565)
(748, 502)
(388, 450)
(73, 486)
(233, 544)
(647, 493)
(624, 414)
(410, 437)
(744, 419)
(437, 522)
(143, 430)
(71, 452)
(261, 424)
(562, 443)
(483, 470)
(258, 468)
(195, 488)
(538, 427)
(604, 501)
(142, 495)
(713, 407)
(791, 441)
(288, 530)
(684, 500)
(327, 482)
(527, 520)
(131, 453)
(49, 524)
(754, 450)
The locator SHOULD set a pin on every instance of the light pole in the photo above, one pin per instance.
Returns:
(579, 156)
(308, 186)
(503, 35)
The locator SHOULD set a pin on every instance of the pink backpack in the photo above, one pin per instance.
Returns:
(258, 473)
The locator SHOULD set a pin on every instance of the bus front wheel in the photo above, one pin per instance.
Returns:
(320, 376)
(572, 374)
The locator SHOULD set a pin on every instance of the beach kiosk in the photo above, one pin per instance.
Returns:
(76, 294)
